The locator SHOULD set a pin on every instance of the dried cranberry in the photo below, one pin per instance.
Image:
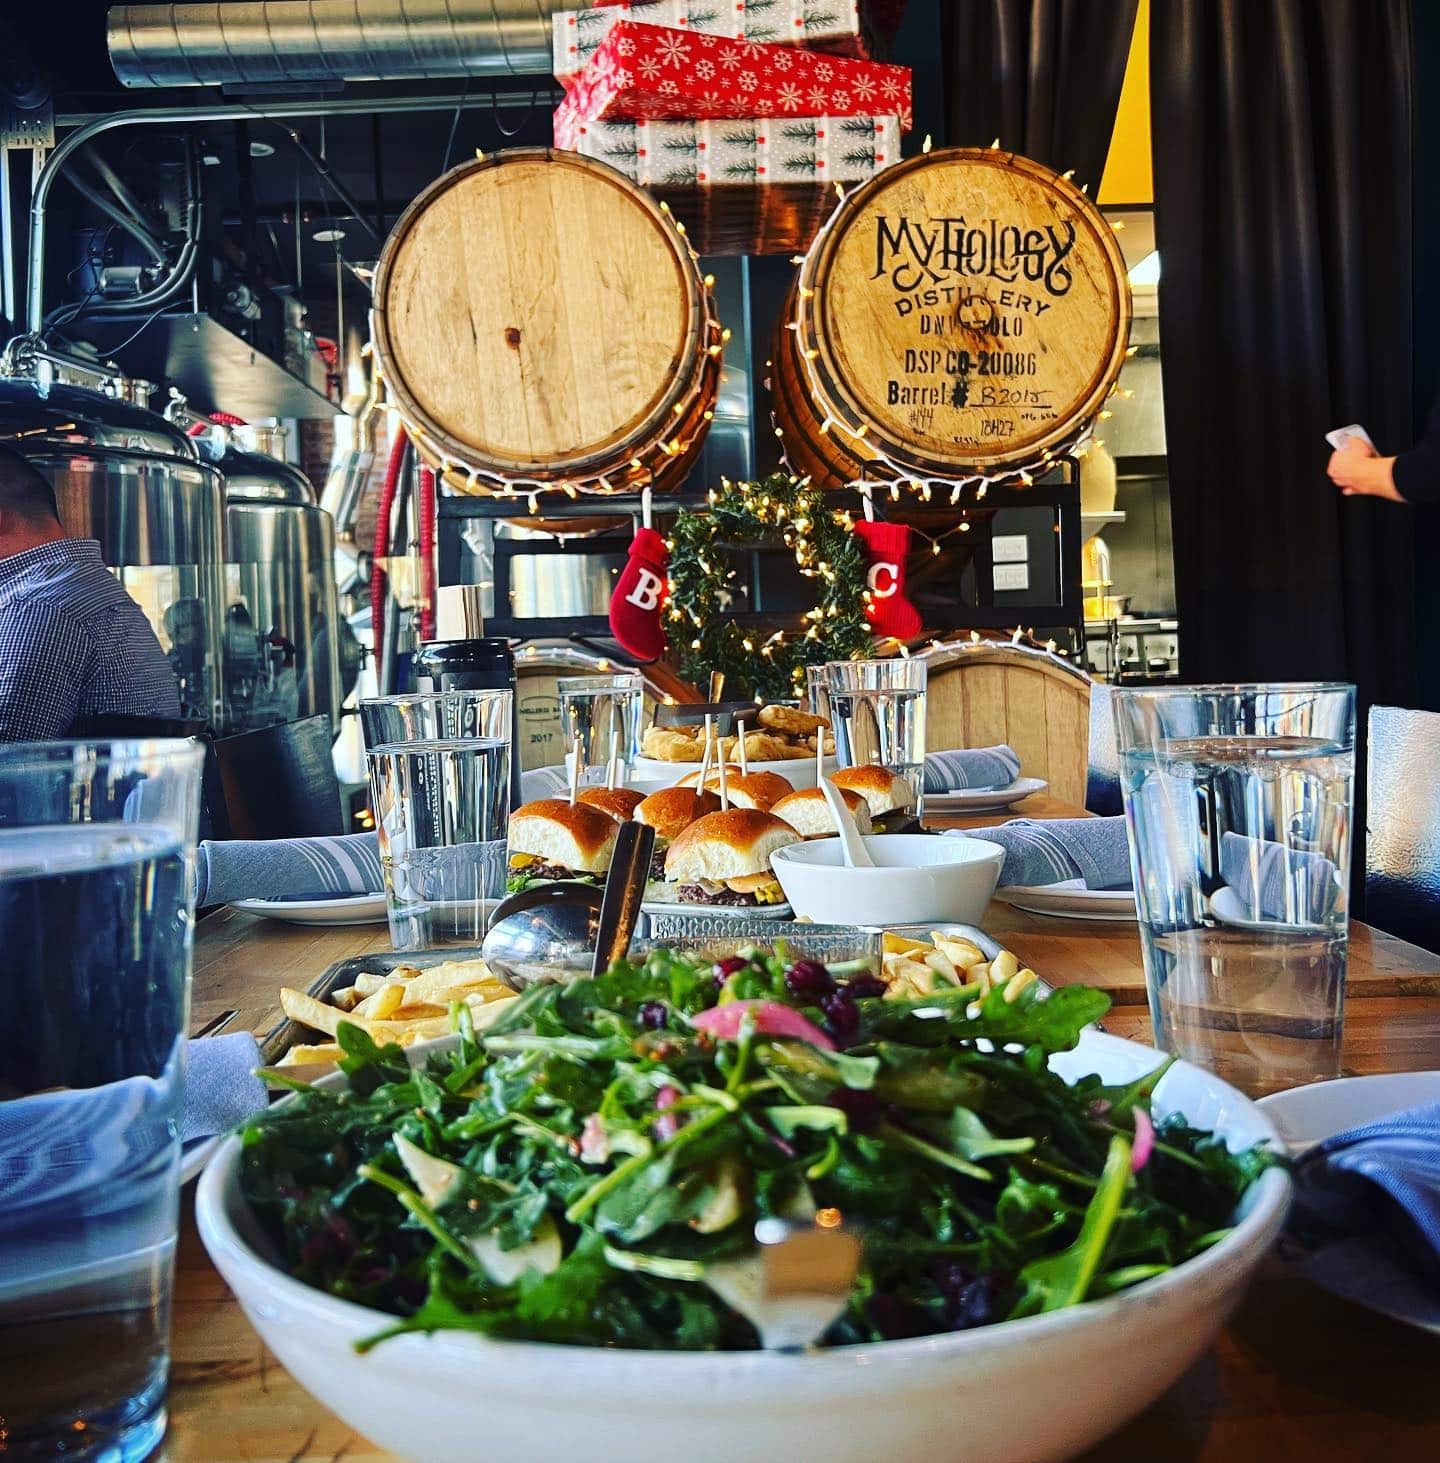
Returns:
(842, 1015)
(729, 965)
(862, 1109)
(809, 980)
(975, 1304)
(653, 1015)
(865, 987)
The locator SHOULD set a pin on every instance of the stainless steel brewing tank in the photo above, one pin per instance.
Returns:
(126, 477)
(282, 624)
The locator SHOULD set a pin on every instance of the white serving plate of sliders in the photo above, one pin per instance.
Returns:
(799, 772)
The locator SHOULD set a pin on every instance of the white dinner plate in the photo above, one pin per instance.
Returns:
(353, 909)
(1229, 909)
(1308, 1115)
(1068, 901)
(984, 799)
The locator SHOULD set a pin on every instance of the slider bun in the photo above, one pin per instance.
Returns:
(809, 815)
(882, 789)
(727, 845)
(746, 789)
(673, 809)
(732, 769)
(574, 836)
(619, 802)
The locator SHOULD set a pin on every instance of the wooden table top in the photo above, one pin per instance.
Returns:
(1296, 1375)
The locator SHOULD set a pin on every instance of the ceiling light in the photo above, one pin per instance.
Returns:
(261, 149)
(211, 159)
(1147, 271)
(328, 236)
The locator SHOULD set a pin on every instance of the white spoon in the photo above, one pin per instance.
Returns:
(852, 841)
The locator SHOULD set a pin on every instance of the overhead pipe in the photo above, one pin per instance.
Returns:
(277, 42)
(88, 126)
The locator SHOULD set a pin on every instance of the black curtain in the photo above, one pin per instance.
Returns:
(1043, 76)
(1282, 149)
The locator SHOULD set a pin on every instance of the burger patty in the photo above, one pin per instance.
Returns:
(553, 872)
(699, 894)
(657, 865)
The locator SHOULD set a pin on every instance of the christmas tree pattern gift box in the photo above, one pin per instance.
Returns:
(716, 153)
(837, 26)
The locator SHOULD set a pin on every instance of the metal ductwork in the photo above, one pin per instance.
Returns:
(270, 42)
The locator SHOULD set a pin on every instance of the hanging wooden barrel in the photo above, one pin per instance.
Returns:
(964, 312)
(540, 322)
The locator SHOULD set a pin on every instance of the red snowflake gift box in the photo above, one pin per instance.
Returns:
(822, 25)
(646, 73)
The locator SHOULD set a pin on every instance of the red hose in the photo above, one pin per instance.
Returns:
(220, 419)
(427, 553)
(382, 539)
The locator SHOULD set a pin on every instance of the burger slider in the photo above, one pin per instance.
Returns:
(888, 796)
(723, 859)
(619, 802)
(747, 789)
(670, 812)
(809, 814)
(553, 839)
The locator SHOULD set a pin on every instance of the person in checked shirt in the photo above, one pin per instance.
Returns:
(72, 642)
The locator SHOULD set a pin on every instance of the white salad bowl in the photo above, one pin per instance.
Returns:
(1017, 1392)
(918, 877)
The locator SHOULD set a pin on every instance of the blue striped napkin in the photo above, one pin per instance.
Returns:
(1063, 850)
(1280, 883)
(288, 868)
(1367, 1214)
(970, 768)
(221, 1088)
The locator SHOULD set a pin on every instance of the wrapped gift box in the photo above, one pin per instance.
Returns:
(651, 73)
(717, 153)
(829, 25)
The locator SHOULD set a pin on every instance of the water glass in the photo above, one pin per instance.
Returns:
(440, 795)
(1240, 801)
(97, 848)
(817, 690)
(604, 713)
(878, 716)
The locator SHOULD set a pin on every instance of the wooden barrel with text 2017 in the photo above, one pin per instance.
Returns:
(964, 312)
(540, 322)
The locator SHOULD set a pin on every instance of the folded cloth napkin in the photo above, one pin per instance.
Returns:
(221, 1088)
(1095, 851)
(95, 1148)
(1279, 883)
(1366, 1218)
(288, 868)
(970, 768)
(544, 782)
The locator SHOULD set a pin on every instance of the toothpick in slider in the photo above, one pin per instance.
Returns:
(704, 760)
(743, 759)
(724, 784)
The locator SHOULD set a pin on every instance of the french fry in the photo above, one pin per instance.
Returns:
(1003, 966)
(300, 1056)
(384, 1002)
(962, 953)
(894, 944)
(307, 1011)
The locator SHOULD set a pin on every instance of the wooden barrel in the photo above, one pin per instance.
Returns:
(540, 322)
(964, 312)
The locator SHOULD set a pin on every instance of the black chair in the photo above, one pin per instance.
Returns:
(1402, 842)
(214, 823)
(280, 782)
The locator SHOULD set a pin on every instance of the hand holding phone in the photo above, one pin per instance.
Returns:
(1353, 433)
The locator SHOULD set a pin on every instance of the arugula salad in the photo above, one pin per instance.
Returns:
(574, 1171)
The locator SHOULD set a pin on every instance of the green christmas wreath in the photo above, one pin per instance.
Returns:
(703, 632)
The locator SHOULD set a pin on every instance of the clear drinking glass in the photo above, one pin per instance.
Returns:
(604, 713)
(877, 712)
(1240, 803)
(441, 799)
(817, 690)
(97, 847)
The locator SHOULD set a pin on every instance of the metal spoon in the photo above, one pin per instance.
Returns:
(852, 841)
(544, 933)
(795, 1284)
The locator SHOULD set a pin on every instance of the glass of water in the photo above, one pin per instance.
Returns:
(877, 713)
(97, 846)
(817, 690)
(604, 713)
(439, 769)
(1240, 801)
